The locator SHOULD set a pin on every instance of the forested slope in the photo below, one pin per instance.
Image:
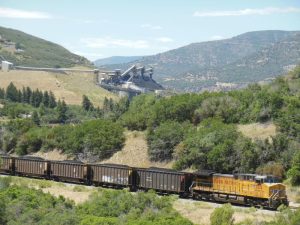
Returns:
(197, 131)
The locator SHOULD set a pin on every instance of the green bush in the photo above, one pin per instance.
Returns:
(27, 206)
(31, 141)
(222, 215)
(94, 220)
(217, 146)
(225, 107)
(294, 172)
(139, 112)
(163, 139)
(121, 207)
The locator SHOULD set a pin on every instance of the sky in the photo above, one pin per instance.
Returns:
(98, 29)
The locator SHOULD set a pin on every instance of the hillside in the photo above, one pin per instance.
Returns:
(68, 86)
(116, 60)
(225, 64)
(27, 50)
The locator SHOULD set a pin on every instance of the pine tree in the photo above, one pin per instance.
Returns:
(19, 96)
(52, 101)
(39, 99)
(2, 93)
(12, 93)
(32, 98)
(35, 118)
(24, 94)
(28, 95)
(42, 109)
(62, 111)
(46, 99)
(108, 105)
(111, 104)
(87, 104)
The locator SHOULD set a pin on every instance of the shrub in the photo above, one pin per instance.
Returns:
(222, 215)
(31, 141)
(211, 146)
(164, 138)
(294, 172)
(225, 107)
(139, 112)
(94, 220)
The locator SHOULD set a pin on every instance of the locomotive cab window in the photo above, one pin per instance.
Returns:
(259, 180)
(272, 179)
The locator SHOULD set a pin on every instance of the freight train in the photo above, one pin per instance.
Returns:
(246, 189)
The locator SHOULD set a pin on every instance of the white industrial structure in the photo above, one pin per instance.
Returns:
(6, 66)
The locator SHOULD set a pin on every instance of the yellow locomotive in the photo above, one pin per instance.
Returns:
(246, 189)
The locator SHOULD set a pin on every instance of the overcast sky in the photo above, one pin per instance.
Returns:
(98, 29)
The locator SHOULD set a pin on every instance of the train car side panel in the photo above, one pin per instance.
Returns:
(69, 171)
(164, 181)
(116, 175)
(34, 167)
(7, 165)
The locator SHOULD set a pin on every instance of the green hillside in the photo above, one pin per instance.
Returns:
(249, 57)
(27, 50)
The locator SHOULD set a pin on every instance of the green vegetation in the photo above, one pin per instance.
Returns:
(21, 205)
(35, 98)
(37, 52)
(197, 131)
(100, 138)
(294, 172)
(213, 142)
(216, 146)
(164, 138)
(224, 216)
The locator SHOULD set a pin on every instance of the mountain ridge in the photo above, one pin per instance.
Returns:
(27, 50)
(116, 60)
(197, 66)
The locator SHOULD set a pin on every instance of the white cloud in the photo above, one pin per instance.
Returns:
(151, 27)
(23, 14)
(217, 37)
(247, 12)
(108, 42)
(164, 39)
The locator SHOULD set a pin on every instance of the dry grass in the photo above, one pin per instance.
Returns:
(135, 152)
(293, 193)
(199, 212)
(258, 130)
(68, 86)
(71, 192)
(52, 155)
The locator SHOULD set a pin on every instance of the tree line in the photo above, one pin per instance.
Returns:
(28, 96)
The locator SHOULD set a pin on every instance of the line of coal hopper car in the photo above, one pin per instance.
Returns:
(245, 189)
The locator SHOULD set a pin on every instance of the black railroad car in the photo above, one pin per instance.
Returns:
(111, 175)
(73, 171)
(31, 166)
(163, 180)
(6, 164)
